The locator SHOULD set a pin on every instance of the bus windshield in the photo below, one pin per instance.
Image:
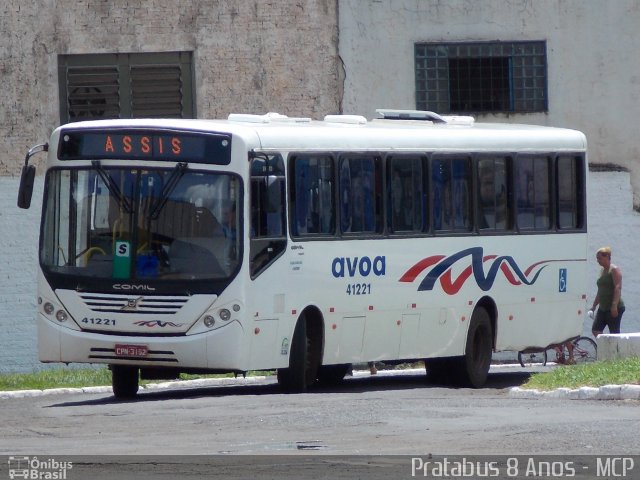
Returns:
(128, 223)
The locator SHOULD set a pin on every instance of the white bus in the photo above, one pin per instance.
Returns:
(266, 242)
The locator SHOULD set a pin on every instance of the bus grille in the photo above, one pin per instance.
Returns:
(142, 305)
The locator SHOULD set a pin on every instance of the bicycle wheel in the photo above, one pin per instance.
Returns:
(585, 350)
(531, 359)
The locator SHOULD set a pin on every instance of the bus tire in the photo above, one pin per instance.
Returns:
(475, 363)
(304, 360)
(124, 381)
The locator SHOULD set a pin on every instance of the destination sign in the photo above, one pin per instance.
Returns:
(211, 148)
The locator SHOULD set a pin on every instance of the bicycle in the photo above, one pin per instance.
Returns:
(585, 350)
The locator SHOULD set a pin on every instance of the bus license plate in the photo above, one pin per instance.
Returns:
(131, 350)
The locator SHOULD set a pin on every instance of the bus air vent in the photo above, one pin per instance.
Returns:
(142, 304)
(410, 115)
(271, 117)
(426, 116)
(349, 119)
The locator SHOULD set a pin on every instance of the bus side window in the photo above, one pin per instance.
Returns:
(493, 195)
(405, 192)
(533, 193)
(360, 195)
(451, 205)
(312, 195)
(267, 234)
(570, 192)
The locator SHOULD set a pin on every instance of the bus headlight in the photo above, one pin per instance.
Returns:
(225, 314)
(209, 321)
(48, 308)
(61, 316)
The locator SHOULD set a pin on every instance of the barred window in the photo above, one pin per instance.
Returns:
(481, 77)
(125, 85)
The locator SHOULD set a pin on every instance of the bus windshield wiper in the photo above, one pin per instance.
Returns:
(112, 186)
(171, 184)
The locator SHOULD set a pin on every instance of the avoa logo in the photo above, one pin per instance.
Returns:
(363, 266)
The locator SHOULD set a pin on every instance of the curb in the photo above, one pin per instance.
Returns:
(606, 392)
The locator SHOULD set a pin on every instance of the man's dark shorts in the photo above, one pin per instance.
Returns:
(604, 319)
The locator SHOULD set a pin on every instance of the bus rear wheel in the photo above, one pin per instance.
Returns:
(473, 366)
(124, 381)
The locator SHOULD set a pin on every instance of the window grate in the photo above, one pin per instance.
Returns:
(127, 85)
(156, 91)
(93, 93)
(481, 77)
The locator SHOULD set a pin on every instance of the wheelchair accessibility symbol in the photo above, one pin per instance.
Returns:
(562, 280)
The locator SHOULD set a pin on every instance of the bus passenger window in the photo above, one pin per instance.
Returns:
(312, 195)
(569, 192)
(493, 195)
(267, 234)
(360, 195)
(533, 193)
(451, 202)
(405, 190)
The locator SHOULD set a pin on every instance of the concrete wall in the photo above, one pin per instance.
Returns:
(593, 66)
(616, 346)
(18, 262)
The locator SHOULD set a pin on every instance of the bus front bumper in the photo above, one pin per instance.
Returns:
(219, 349)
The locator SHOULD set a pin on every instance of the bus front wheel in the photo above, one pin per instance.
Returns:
(304, 358)
(124, 380)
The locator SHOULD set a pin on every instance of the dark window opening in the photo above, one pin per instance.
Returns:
(479, 84)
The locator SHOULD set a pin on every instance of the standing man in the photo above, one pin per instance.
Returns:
(609, 296)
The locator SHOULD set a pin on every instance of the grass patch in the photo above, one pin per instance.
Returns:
(596, 374)
(82, 377)
(56, 378)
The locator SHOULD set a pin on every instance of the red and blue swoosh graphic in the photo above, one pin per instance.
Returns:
(441, 270)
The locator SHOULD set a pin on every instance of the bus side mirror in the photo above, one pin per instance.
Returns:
(27, 178)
